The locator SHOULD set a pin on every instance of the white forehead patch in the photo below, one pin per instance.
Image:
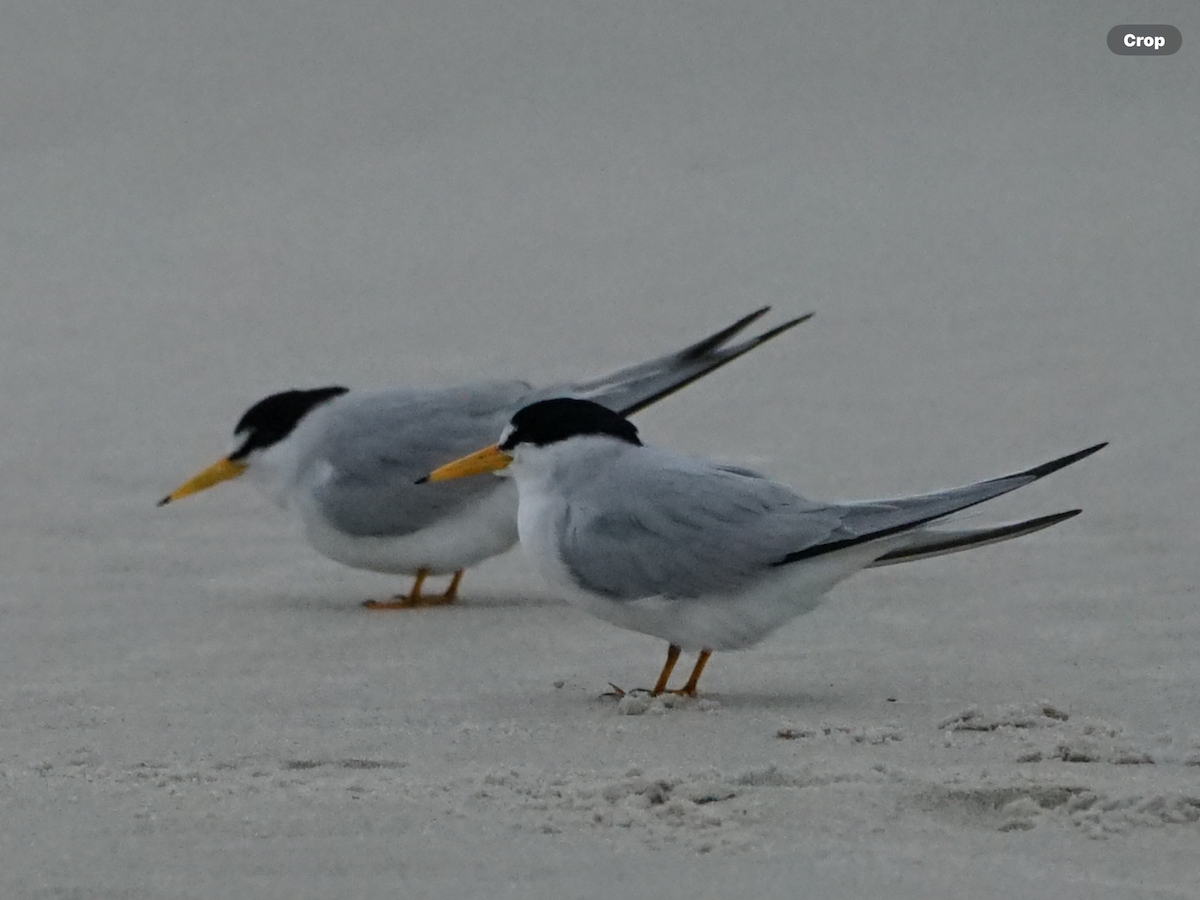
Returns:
(238, 441)
(505, 435)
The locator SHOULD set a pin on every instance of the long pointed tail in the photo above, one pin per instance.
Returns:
(634, 388)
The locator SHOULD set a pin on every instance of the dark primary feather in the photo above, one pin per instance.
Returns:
(941, 542)
(635, 387)
(874, 520)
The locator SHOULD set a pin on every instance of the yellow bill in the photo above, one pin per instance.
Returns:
(489, 459)
(222, 470)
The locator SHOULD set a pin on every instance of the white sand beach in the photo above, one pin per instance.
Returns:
(994, 219)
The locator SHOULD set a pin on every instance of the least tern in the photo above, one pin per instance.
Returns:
(706, 556)
(345, 461)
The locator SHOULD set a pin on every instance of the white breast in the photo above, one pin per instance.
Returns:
(539, 517)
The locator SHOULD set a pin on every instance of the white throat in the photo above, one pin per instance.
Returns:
(274, 471)
(559, 466)
(546, 477)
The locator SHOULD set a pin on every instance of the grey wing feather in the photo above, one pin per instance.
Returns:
(681, 528)
(875, 520)
(634, 388)
(939, 542)
(377, 444)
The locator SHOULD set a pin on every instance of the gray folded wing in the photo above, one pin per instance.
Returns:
(376, 445)
(653, 524)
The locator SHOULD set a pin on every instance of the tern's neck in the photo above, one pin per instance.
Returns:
(275, 470)
(566, 462)
(280, 469)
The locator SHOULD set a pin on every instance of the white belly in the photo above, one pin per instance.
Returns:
(476, 532)
(732, 621)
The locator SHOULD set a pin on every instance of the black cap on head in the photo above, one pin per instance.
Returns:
(550, 421)
(273, 418)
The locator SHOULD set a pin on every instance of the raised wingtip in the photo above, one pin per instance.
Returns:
(715, 355)
(711, 343)
(1062, 462)
(780, 329)
(1046, 521)
(731, 353)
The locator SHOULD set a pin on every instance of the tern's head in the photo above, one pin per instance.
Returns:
(264, 425)
(551, 421)
(546, 423)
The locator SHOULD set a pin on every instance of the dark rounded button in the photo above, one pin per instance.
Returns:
(1144, 40)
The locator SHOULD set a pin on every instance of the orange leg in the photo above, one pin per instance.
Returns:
(452, 592)
(672, 658)
(414, 599)
(689, 689)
